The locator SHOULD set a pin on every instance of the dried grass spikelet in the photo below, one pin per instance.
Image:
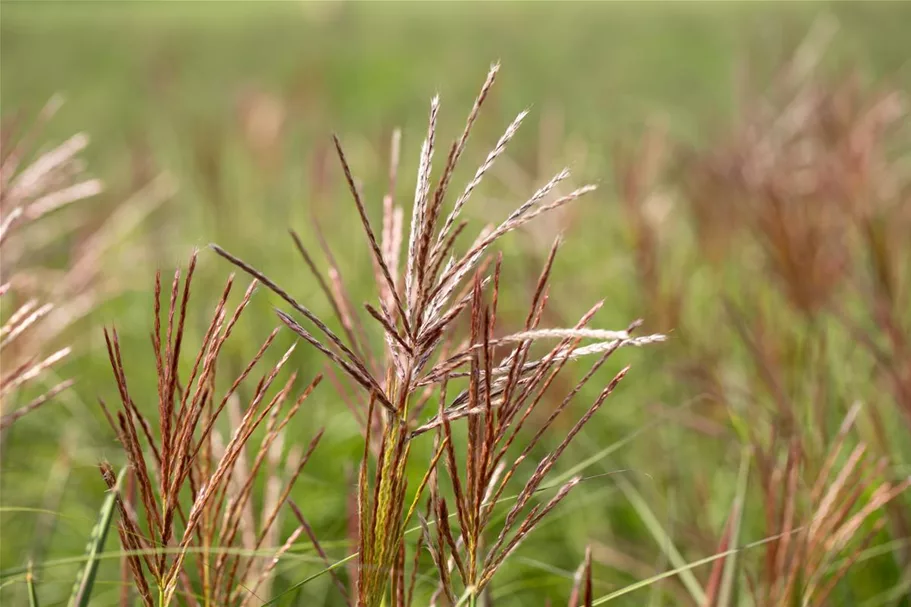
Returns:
(39, 303)
(813, 178)
(424, 286)
(194, 487)
(581, 595)
(27, 193)
(821, 537)
(807, 162)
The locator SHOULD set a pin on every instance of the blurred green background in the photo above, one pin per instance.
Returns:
(235, 102)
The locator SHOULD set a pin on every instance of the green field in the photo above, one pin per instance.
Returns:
(184, 92)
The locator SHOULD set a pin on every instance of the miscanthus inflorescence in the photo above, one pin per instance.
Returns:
(426, 286)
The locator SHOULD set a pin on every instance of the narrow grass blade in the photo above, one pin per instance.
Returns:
(893, 596)
(306, 581)
(692, 585)
(82, 589)
(725, 595)
(686, 567)
(30, 583)
(654, 527)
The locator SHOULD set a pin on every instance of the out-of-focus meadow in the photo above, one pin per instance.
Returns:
(753, 170)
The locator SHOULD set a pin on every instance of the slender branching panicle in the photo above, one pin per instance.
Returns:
(820, 538)
(808, 184)
(40, 303)
(28, 192)
(195, 487)
(490, 379)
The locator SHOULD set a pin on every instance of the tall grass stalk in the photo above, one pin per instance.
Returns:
(488, 379)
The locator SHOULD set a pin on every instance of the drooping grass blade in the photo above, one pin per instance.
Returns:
(82, 589)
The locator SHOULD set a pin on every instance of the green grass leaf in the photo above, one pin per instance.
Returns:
(306, 581)
(663, 539)
(32, 591)
(725, 596)
(82, 589)
(686, 567)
